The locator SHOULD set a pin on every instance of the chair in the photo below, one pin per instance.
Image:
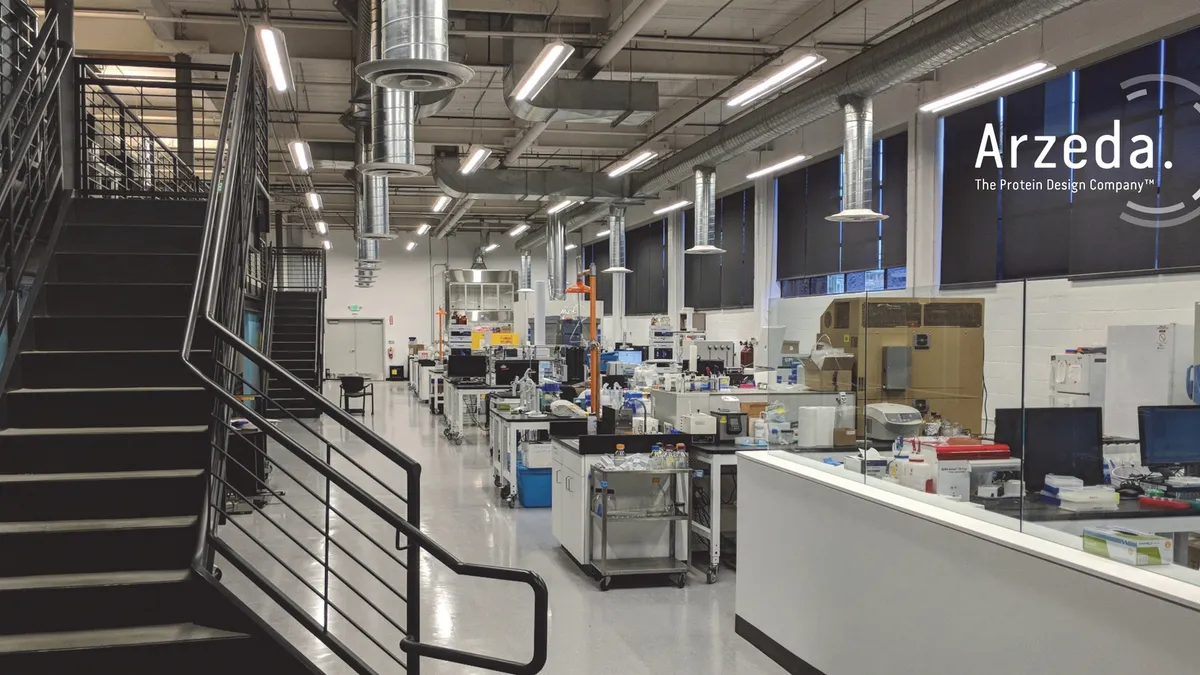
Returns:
(357, 387)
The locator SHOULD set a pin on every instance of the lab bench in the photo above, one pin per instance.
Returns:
(507, 430)
(667, 406)
(465, 398)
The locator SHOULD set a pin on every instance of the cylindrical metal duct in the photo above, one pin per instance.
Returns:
(368, 251)
(412, 47)
(525, 282)
(375, 194)
(393, 125)
(706, 213)
(616, 241)
(856, 163)
(556, 264)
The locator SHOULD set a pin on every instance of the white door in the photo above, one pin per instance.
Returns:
(368, 348)
(339, 346)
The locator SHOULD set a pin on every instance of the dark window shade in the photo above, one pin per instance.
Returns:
(1035, 224)
(823, 237)
(748, 251)
(1179, 245)
(646, 285)
(691, 277)
(735, 226)
(1100, 240)
(895, 200)
(970, 213)
(860, 241)
(790, 224)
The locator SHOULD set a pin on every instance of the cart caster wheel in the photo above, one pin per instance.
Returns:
(605, 583)
(505, 491)
(217, 573)
(496, 481)
(512, 502)
(681, 581)
(711, 577)
(458, 440)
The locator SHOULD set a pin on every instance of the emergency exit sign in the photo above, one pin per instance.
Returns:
(355, 308)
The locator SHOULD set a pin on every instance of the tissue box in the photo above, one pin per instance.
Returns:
(1128, 546)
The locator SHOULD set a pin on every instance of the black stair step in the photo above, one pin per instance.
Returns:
(91, 546)
(108, 299)
(125, 267)
(104, 449)
(102, 494)
(189, 213)
(36, 604)
(177, 649)
(115, 332)
(109, 368)
(130, 238)
(87, 407)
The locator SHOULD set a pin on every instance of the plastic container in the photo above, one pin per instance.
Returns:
(533, 486)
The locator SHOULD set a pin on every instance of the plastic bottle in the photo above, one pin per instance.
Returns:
(598, 501)
(610, 504)
(681, 454)
(619, 455)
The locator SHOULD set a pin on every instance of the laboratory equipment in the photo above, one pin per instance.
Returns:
(1169, 435)
(1077, 378)
(1147, 366)
(662, 343)
(1062, 441)
(666, 501)
(466, 366)
(886, 421)
(698, 424)
(505, 371)
(731, 424)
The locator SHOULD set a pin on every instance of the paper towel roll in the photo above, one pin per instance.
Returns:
(815, 426)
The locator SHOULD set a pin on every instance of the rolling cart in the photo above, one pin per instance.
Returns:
(678, 508)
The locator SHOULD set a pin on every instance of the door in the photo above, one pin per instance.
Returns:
(339, 347)
(368, 348)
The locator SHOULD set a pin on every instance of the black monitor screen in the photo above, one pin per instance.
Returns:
(507, 371)
(1061, 441)
(466, 366)
(1169, 434)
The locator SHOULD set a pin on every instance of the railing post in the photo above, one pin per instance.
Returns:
(68, 93)
(184, 114)
(414, 566)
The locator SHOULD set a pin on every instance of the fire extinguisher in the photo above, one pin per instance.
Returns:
(391, 353)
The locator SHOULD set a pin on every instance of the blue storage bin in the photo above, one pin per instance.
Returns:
(533, 486)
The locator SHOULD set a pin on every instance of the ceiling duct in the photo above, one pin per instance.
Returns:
(585, 101)
(959, 29)
(525, 284)
(856, 163)
(411, 47)
(706, 213)
(556, 264)
(616, 241)
(524, 184)
(375, 194)
(393, 125)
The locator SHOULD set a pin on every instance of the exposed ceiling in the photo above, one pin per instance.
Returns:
(700, 52)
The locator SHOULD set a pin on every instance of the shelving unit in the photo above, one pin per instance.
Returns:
(680, 511)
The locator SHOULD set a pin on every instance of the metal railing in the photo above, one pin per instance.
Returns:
(302, 270)
(351, 586)
(32, 200)
(147, 129)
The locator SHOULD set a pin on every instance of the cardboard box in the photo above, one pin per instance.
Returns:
(1128, 546)
(835, 373)
(753, 410)
(844, 438)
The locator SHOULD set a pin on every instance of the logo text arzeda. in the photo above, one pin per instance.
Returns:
(1074, 150)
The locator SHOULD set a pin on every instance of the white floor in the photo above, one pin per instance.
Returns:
(649, 629)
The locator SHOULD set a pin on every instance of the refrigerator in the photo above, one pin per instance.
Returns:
(1147, 365)
(1077, 380)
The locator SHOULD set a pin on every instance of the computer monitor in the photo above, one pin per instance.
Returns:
(1061, 441)
(1169, 434)
(629, 356)
(468, 365)
(507, 371)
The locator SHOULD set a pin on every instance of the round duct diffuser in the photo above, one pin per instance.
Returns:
(393, 169)
(415, 74)
(704, 249)
(856, 216)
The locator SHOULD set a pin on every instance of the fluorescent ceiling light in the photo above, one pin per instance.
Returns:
(114, 71)
(490, 247)
(274, 48)
(301, 155)
(777, 166)
(326, 244)
(322, 228)
(673, 207)
(314, 201)
(564, 204)
(777, 81)
(518, 229)
(984, 88)
(441, 203)
(422, 229)
(478, 156)
(544, 67)
(603, 233)
(569, 247)
(631, 164)
(410, 246)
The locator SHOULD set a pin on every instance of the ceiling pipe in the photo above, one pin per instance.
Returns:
(616, 241)
(556, 264)
(450, 222)
(857, 161)
(525, 284)
(706, 213)
(952, 33)
(393, 125)
(411, 47)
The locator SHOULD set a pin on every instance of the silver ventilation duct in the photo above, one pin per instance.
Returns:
(963, 27)
(411, 47)
(375, 194)
(393, 125)
(856, 163)
(525, 283)
(556, 264)
(706, 213)
(368, 252)
(616, 241)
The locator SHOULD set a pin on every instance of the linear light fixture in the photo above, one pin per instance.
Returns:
(441, 203)
(564, 204)
(322, 227)
(983, 88)
(314, 201)
(422, 229)
(777, 81)
(479, 155)
(631, 164)
(326, 244)
(410, 246)
(518, 229)
(490, 247)
(279, 66)
(603, 233)
(673, 207)
(544, 67)
(791, 161)
(569, 247)
(301, 155)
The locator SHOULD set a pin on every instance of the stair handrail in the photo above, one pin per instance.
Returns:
(204, 294)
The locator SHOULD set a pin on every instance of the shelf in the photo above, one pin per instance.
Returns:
(626, 516)
(643, 472)
(623, 566)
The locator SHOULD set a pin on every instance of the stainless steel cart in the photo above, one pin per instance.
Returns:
(678, 508)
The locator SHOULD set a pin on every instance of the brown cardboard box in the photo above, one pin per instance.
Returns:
(844, 438)
(833, 374)
(753, 410)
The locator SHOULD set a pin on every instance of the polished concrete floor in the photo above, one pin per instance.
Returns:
(647, 629)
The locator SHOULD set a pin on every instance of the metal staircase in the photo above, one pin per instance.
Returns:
(297, 324)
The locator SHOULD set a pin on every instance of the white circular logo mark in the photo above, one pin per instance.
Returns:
(1172, 208)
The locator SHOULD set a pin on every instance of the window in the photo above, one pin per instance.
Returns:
(1052, 220)
(646, 256)
(597, 254)
(724, 281)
